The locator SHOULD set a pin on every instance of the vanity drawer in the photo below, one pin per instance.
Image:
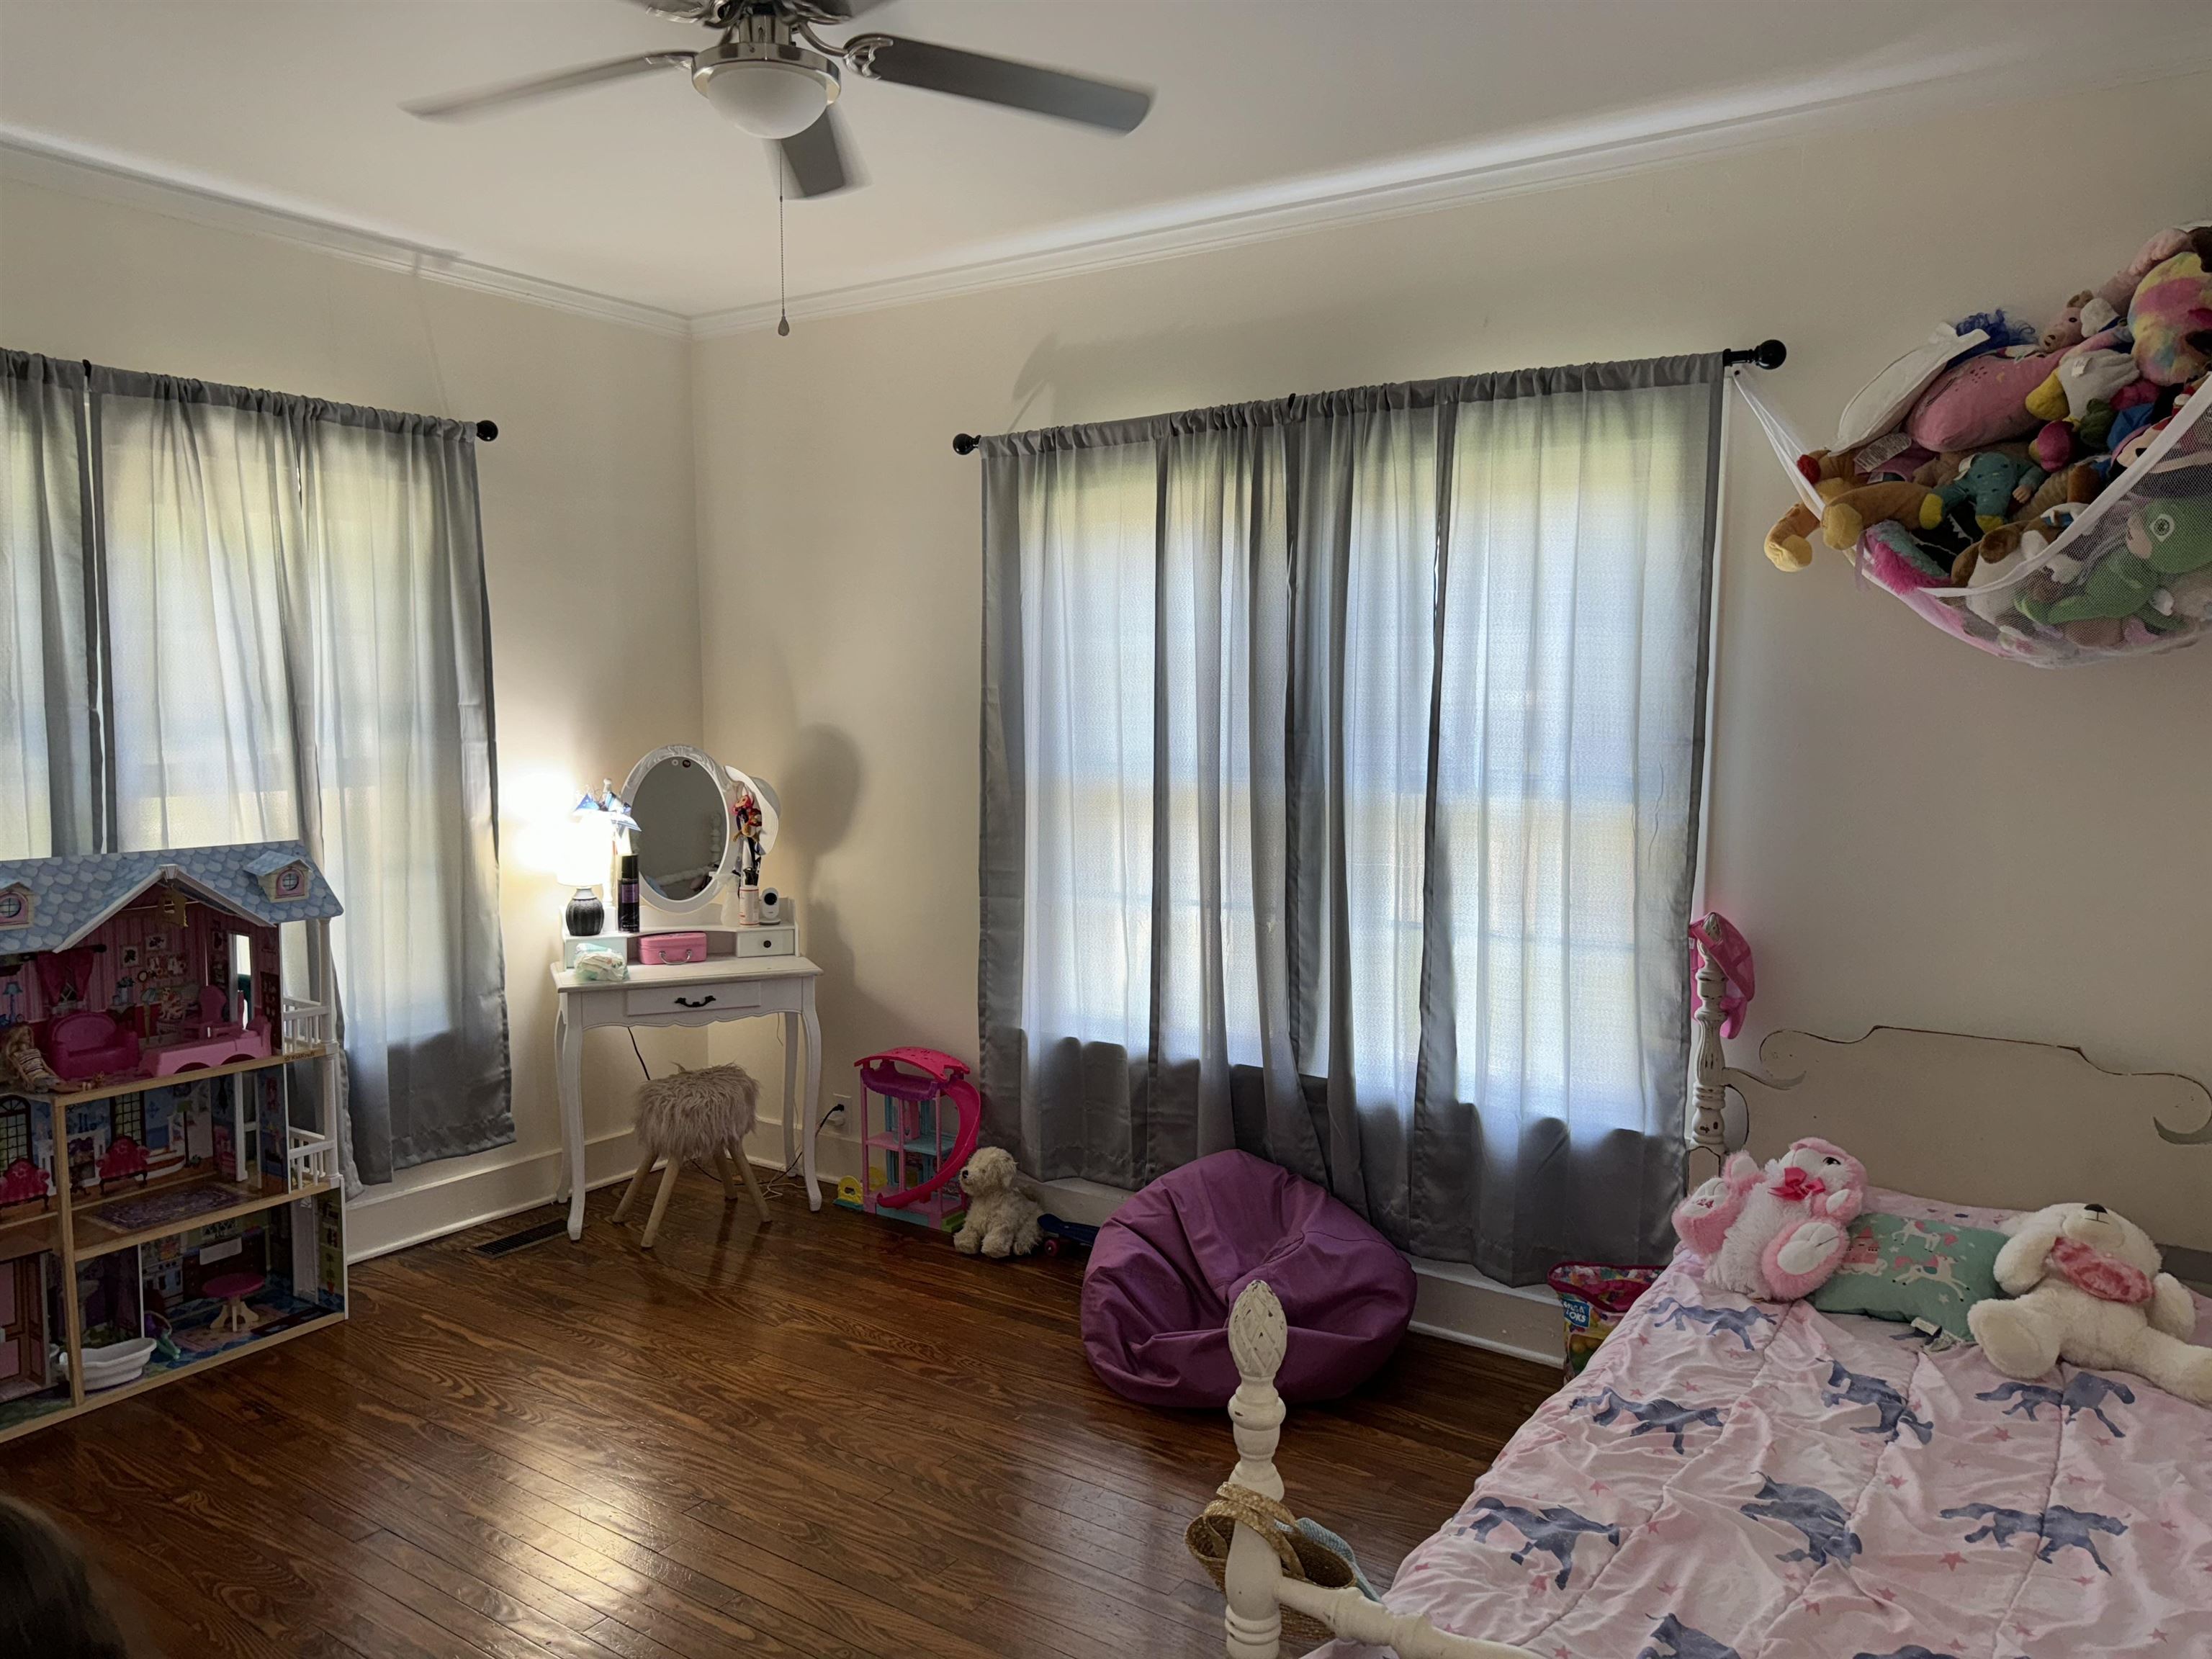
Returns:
(708, 996)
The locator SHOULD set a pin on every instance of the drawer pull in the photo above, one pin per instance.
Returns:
(687, 1002)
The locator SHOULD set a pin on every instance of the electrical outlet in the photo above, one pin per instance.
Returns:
(837, 1112)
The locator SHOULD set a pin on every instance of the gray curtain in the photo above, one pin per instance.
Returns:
(1340, 765)
(281, 620)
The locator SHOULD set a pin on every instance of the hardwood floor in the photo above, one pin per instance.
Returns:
(831, 1436)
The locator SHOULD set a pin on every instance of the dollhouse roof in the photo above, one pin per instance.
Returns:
(71, 896)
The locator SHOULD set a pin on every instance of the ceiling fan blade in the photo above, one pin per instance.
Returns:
(1000, 81)
(690, 11)
(485, 101)
(819, 161)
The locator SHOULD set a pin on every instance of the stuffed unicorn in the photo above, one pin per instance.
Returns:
(1775, 1234)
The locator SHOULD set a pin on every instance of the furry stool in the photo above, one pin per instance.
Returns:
(694, 1116)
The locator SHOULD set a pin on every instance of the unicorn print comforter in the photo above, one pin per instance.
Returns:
(1730, 1481)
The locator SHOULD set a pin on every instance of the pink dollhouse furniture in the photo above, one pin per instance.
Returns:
(24, 1180)
(84, 1044)
(236, 1043)
(231, 1290)
(215, 1018)
(124, 1158)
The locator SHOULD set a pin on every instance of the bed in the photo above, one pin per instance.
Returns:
(1735, 1480)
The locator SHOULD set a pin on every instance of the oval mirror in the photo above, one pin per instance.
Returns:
(683, 841)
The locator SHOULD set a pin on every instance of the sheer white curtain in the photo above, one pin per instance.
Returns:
(1341, 759)
(287, 639)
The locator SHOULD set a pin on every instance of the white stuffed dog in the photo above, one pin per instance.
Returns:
(1000, 1221)
(2085, 1288)
(1775, 1234)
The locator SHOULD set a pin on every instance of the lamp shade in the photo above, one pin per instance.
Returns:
(584, 853)
(767, 98)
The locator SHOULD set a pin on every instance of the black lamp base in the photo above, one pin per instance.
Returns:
(586, 917)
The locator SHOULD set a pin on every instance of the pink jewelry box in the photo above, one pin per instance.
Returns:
(664, 948)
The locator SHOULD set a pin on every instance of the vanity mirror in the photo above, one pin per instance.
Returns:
(681, 799)
(700, 824)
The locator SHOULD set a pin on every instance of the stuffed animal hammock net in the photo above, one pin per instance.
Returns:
(2108, 559)
(2044, 496)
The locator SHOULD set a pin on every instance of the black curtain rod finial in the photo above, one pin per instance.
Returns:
(486, 431)
(965, 443)
(1767, 354)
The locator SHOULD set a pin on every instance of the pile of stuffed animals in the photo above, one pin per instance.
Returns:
(1962, 463)
(2080, 1283)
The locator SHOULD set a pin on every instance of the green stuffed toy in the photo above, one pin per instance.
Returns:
(2172, 538)
(2166, 540)
(2120, 586)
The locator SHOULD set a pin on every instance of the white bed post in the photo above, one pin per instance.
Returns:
(1709, 1128)
(1252, 1579)
(1258, 1337)
(1715, 1076)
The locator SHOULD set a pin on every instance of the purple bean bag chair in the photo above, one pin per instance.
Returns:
(1165, 1269)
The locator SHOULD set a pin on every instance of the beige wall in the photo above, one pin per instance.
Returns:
(1910, 831)
(587, 507)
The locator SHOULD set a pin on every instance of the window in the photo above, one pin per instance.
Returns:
(1353, 741)
(281, 604)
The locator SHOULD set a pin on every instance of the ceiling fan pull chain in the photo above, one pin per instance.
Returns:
(782, 308)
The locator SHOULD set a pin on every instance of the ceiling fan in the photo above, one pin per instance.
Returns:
(775, 76)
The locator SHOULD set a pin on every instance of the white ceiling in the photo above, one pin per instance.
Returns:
(640, 190)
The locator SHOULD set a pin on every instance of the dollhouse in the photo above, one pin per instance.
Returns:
(169, 1186)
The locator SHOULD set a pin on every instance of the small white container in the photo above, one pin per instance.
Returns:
(111, 1366)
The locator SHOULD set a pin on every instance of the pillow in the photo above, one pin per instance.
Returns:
(1911, 1267)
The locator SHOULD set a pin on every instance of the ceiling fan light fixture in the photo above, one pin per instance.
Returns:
(776, 93)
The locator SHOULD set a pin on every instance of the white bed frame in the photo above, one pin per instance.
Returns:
(1980, 1121)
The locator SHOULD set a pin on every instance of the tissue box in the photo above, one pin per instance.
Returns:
(662, 949)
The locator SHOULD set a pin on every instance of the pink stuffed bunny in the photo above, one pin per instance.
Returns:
(1775, 1234)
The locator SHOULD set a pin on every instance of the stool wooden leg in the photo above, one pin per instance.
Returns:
(660, 1204)
(636, 1184)
(729, 1177)
(752, 1182)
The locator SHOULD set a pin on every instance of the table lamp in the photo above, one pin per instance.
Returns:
(583, 867)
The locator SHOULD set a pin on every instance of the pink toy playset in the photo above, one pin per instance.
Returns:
(918, 1132)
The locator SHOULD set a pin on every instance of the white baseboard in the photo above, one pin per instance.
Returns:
(383, 1221)
(1455, 1301)
(378, 1223)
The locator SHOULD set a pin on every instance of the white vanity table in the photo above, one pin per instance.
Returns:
(691, 994)
(697, 826)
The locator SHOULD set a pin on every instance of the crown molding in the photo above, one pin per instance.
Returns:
(36, 159)
(1657, 136)
(1855, 97)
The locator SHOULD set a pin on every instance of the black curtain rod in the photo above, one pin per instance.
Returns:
(487, 431)
(1767, 354)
